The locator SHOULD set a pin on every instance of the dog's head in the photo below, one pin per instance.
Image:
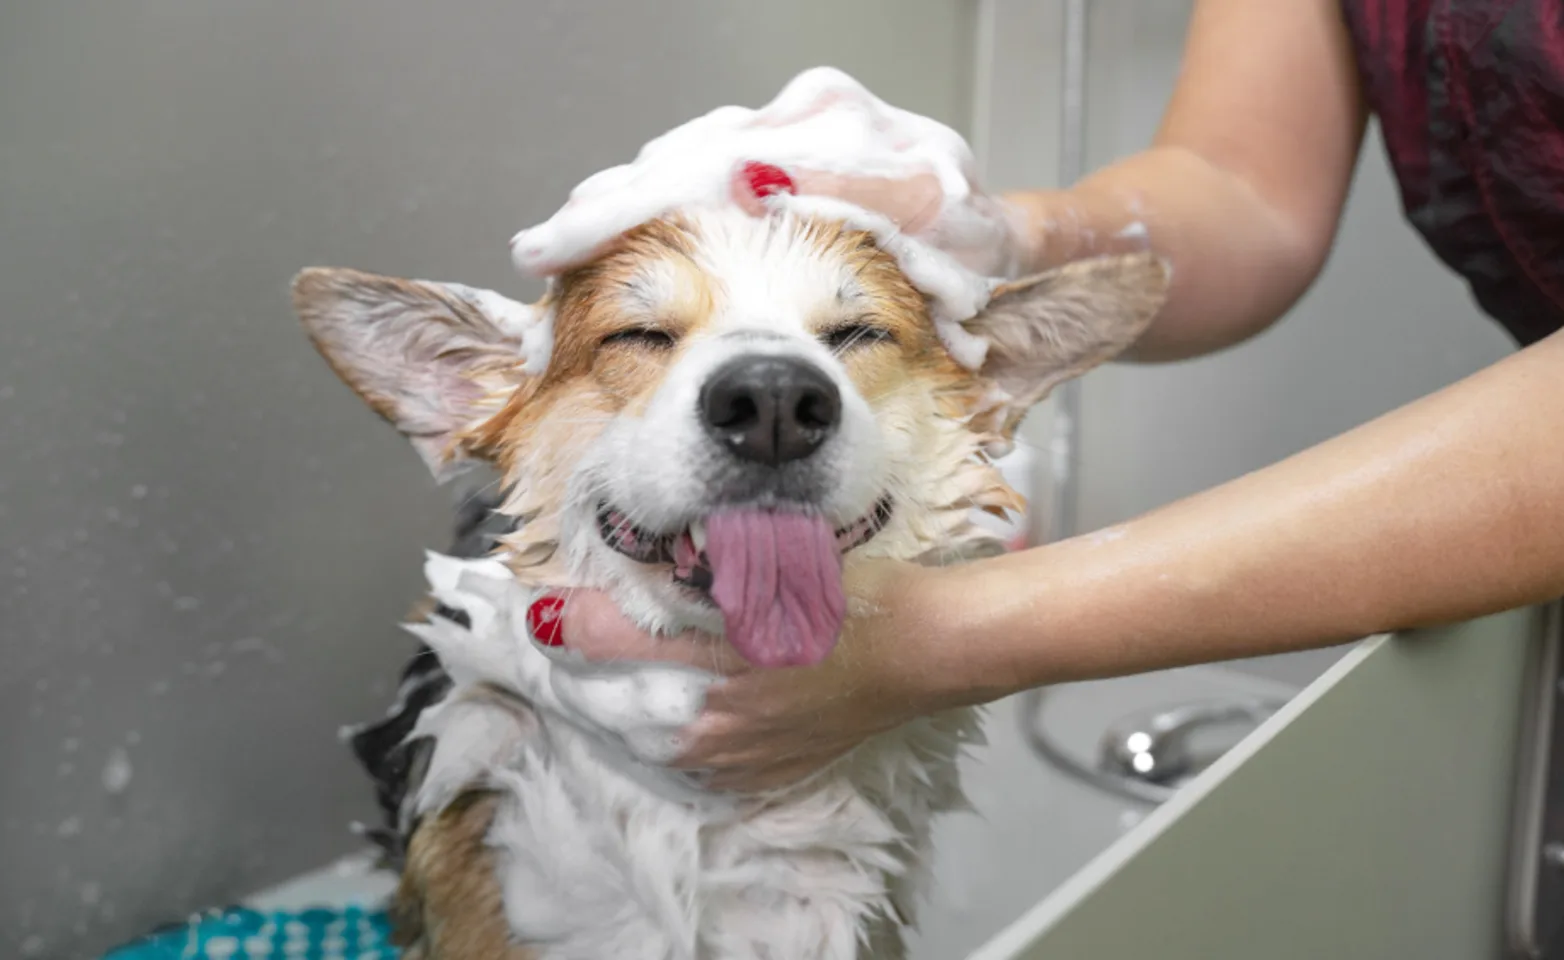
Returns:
(723, 407)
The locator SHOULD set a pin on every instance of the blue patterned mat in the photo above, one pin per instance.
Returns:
(349, 933)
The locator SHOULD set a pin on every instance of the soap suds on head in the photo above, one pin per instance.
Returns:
(823, 121)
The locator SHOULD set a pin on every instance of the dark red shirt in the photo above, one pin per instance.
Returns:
(1470, 98)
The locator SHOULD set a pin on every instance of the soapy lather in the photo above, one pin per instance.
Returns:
(823, 121)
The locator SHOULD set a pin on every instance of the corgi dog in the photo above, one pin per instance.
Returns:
(709, 420)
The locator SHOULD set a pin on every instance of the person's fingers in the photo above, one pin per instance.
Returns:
(709, 743)
(752, 182)
(591, 624)
(912, 203)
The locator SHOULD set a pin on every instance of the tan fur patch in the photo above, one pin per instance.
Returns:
(448, 905)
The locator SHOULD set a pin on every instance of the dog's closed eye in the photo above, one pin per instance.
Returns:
(849, 336)
(641, 338)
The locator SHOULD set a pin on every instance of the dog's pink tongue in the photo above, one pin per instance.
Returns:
(777, 577)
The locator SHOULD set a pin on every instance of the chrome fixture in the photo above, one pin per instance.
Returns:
(1147, 756)
(1535, 911)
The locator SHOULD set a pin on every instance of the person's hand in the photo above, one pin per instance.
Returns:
(763, 729)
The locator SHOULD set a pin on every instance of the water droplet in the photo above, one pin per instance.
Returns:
(66, 769)
(111, 514)
(186, 604)
(91, 893)
(71, 744)
(33, 946)
(160, 688)
(117, 772)
(69, 827)
(133, 737)
(138, 492)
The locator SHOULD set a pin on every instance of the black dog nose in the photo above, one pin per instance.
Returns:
(770, 409)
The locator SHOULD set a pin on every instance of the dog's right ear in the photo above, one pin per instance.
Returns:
(434, 359)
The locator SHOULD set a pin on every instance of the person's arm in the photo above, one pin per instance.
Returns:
(1244, 184)
(1445, 510)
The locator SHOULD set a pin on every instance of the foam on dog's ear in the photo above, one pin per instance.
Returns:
(433, 359)
(1052, 327)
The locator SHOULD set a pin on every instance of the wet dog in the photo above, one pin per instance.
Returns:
(709, 420)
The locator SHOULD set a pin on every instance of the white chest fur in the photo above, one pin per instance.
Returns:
(603, 854)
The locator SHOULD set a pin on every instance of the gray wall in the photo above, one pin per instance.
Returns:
(204, 538)
(1384, 325)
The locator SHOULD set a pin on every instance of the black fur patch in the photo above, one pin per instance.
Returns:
(394, 763)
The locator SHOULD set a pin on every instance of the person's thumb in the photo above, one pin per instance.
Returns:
(911, 202)
(590, 623)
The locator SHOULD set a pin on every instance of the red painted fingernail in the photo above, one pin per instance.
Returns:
(765, 179)
(546, 620)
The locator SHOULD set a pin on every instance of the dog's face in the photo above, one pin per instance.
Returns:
(728, 405)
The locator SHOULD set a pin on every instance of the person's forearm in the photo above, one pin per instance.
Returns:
(1447, 509)
(1243, 187)
(1237, 263)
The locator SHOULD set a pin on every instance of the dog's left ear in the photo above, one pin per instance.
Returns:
(1046, 329)
(434, 359)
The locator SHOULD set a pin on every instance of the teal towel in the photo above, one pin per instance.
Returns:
(348, 933)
